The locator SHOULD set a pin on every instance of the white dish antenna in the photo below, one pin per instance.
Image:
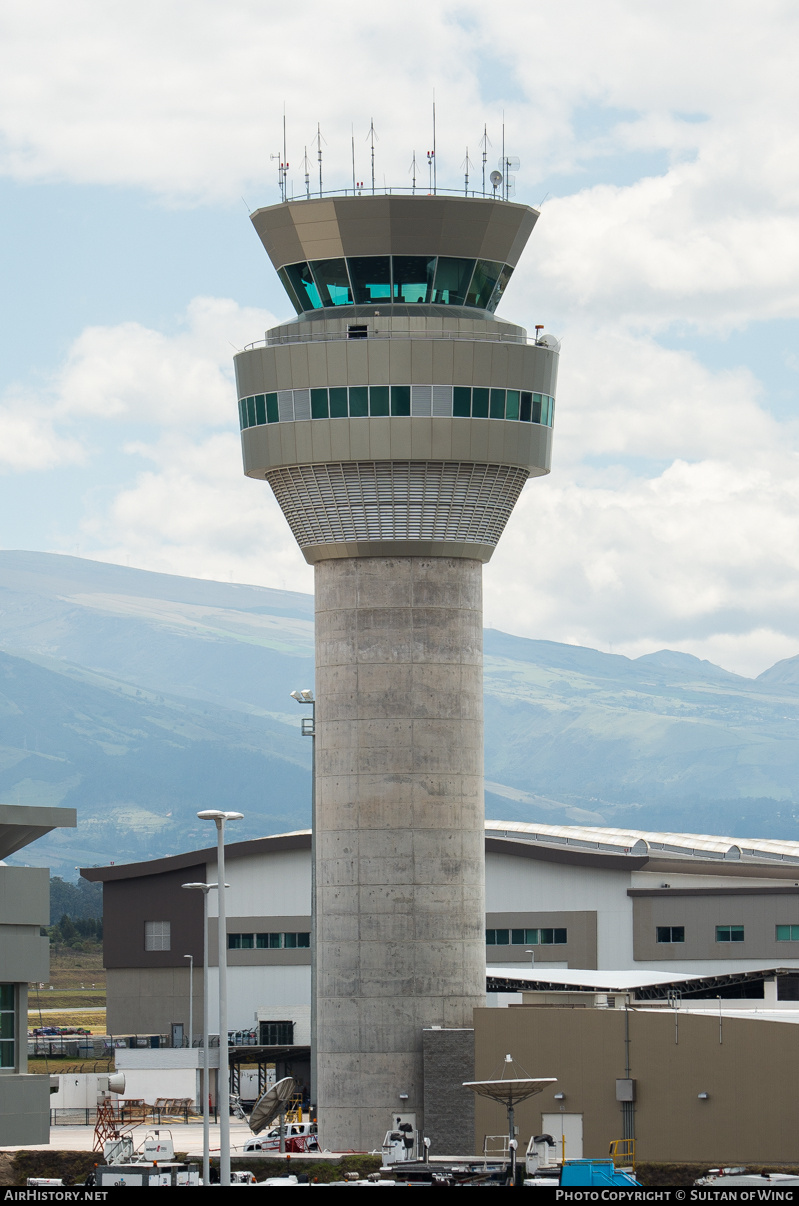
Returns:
(496, 180)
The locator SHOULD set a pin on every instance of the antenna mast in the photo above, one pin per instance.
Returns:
(352, 131)
(319, 141)
(372, 135)
(285, 157)
(434, 142)
(413, 169)
(466, 165)
(485, 143)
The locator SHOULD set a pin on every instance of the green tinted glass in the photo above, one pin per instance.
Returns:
(260, 409)
(378, 400)
(319, 404)
(531, 937)
(496, 297)
(479, 403)
(413, 278)
(304, 939)
(290, 940)
(536, 408)
(503, 937)
(359, 401)
(497, 404)
(400, 399)
(6, 996)
(6, 1054)
(338, 403)
(332, 282)
(242, 413)
(512, 404)
(483, 283)
(526, 407)
(452, 281)
(371, 278)
(272, 414)
(6, 1025)
(517, 937)
(462, 401)
(303, 285)
(251, 412)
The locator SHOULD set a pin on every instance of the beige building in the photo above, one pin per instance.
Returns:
(707, 1087)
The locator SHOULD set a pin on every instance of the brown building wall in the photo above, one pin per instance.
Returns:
(578, 951)
(128, 903)
(750, 1077)
(758, 910)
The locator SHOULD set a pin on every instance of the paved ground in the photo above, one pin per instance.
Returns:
(186, 1137)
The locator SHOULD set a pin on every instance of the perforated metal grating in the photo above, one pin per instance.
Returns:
(397, 500)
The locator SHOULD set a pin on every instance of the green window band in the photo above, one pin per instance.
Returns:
(360, 401)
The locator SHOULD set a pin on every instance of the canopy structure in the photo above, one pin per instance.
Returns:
(272, 1103)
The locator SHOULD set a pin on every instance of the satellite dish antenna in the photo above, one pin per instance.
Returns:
(496, 180)
(271, 1104)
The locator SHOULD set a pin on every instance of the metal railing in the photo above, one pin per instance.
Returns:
(396, 336)
(622, 1153)
(402, 190)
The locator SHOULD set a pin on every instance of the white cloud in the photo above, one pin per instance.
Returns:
(29, 440)
(133, 373)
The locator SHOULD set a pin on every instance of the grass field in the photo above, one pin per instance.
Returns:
(75, 995)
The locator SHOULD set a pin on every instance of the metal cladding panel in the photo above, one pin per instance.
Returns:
(473, 227)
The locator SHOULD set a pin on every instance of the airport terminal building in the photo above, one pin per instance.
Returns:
(557, 898)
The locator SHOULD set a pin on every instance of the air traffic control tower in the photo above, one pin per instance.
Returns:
(397, 421)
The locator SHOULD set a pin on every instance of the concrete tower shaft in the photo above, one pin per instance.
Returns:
(396, 420)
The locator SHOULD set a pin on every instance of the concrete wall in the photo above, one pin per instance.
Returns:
(750, 1077)
(399, 803)
(24, 1110)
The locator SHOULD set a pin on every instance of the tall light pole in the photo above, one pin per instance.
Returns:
(191, 999)
(205, 889)
(306, 698)
(219, 818)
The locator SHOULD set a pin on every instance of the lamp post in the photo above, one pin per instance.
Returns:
(218, 817)
(205, 889)
(191, 999)
(306, 698)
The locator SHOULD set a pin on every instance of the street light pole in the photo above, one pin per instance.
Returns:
(205, 889)
(219, 818)
(306, 698)
(191, 999)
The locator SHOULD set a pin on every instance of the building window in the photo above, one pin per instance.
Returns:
(788, 933)
(283, 941)
(7, 1026)
(671, 933)
(240, 942)
(157, 936)
(729, 933)
(547, 937)
(276, 1034)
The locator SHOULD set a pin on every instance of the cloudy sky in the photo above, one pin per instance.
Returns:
(661, 144)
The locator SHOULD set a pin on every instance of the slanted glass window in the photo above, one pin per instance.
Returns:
(371, 278)
(452, 281)
(272, 410)
(483, 283)
(413, 278)
(729, 933)
(251, 412)
(378, 400)
(7, 1025)
(504, 277)
(526, 408)
(332, 282)
(788, 933)
(303, 286)
(157, 936)
(670, 933)
(260, 409)
(287, 285)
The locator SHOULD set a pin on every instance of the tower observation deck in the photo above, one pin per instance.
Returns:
(396, 420)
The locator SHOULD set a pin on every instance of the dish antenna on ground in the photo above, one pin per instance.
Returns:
(273, 1102)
